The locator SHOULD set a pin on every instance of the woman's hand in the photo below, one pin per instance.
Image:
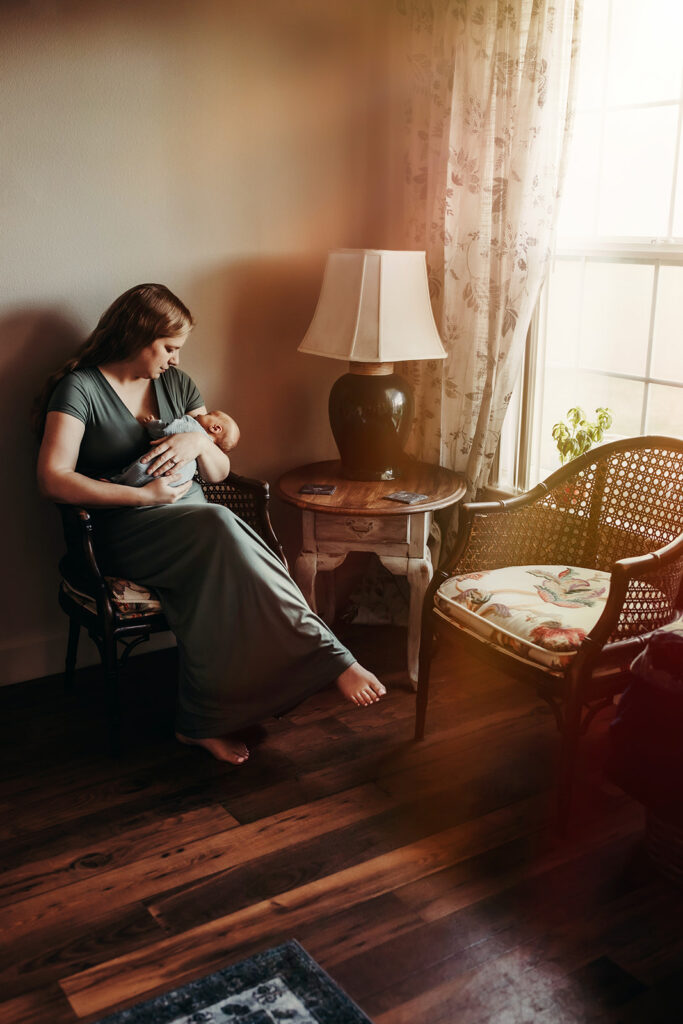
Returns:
(58, 479)
(161, 491)
(172, 453)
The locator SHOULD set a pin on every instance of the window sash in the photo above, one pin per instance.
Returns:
(522, 427)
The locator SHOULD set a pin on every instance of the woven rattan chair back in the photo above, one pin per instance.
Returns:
(626, 502)
(621, 500)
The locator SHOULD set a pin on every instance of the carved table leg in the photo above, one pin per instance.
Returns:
(327, 563)
(327, 598)
(420, 572)
(305, 571)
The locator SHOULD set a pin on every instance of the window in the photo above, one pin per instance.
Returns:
(608, 330)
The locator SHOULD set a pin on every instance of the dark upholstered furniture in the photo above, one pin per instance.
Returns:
(617, 510)
(101, 604)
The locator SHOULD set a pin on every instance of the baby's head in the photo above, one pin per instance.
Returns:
(222, 429)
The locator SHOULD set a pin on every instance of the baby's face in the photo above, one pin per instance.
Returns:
(221, 427)
(211, 422)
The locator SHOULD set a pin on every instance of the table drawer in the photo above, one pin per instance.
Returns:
(362, 529)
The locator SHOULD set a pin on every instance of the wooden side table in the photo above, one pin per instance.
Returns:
(359, 517)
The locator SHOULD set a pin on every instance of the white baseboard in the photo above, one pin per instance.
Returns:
(35, 657)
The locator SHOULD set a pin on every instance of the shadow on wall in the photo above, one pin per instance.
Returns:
(246, 361)
(33, 344)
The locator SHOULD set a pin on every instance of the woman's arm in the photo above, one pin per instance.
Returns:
(214, 465)
(172, 452)
(58, 479)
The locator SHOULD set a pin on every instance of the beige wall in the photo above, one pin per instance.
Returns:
(221, 148)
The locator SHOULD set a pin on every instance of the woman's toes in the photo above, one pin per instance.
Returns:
(360, 686)
(231, 751)
(220, 747)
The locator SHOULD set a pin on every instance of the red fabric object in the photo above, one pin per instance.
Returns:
(646, 736)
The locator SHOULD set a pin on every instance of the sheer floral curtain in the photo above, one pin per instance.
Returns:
(488, 124)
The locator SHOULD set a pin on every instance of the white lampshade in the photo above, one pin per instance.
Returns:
(374, 308)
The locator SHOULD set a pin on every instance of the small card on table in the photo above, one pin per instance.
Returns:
(407, 497)
(317, 489)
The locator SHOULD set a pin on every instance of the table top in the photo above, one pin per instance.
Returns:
(368, 497)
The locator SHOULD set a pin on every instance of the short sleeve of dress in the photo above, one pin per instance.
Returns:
(70, 396)
(182, 392)
(191, 397)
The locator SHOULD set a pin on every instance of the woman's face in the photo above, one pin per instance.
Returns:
(155, 359)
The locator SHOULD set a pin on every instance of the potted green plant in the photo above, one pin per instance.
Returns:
(577, 434)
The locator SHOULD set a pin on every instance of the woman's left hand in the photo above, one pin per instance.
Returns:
(170, 454)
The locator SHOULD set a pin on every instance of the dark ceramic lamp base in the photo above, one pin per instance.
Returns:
(371, 414)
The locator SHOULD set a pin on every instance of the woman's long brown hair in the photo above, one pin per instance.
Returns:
(133, 321)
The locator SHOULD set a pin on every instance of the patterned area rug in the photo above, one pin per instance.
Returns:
(281, 986)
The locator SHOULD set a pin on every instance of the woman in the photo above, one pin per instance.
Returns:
(249, 645)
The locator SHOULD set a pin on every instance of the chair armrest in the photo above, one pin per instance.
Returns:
(80, 563)
(249, 499)
(79, 566)
(646, 592)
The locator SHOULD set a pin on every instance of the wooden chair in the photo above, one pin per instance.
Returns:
(617, 510)
(115, 612)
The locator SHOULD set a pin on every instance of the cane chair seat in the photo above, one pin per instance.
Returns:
(564, 585)
(129, 600)
(540, 613)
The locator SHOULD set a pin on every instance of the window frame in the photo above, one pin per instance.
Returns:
(526, 415)
(519, 451)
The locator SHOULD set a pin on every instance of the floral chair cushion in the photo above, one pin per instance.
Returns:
(130, 600)
(541, 613)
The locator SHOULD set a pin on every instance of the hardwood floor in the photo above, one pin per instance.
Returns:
(426, 878)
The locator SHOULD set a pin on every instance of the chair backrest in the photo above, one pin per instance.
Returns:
(619, 500)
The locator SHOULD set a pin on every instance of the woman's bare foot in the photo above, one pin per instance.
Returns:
(223, 748)
(360, 686)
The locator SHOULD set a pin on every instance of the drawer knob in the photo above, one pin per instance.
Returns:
(360, 528)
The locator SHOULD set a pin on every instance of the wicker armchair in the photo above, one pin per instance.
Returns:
(101, 606)
(618, 510)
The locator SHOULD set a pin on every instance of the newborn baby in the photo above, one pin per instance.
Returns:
(221, 428)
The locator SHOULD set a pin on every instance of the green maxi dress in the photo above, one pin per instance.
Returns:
(249, 644)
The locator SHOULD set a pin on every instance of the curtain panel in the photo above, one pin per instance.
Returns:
(488, 122)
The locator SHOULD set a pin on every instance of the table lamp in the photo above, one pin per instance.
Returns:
(373, 311)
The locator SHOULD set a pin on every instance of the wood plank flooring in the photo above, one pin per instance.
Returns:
(426, 878)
